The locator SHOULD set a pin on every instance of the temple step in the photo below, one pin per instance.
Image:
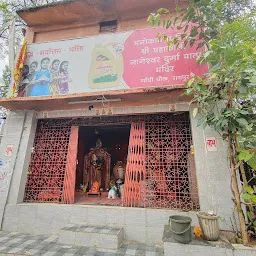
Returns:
(92, 236)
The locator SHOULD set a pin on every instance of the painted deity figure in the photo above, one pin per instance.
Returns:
(97, 166)
(95, 189)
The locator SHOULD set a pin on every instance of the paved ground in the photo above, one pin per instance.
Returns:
(24, 244)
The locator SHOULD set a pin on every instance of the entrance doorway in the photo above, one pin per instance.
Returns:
(160, 170)
(102, 151)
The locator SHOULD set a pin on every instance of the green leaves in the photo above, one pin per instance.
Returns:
(242, 121)
(202, 121)
(229, 42)
(252, 162)
(193, 32)
(200, 45)
(247, 156)
(154, 19)
(192, 42)
(216, 67)
(5, 81)
(249, 190)
(8, 10)
(177, 9)
(249, 194)
(189, 91)
(226, 33)
(244, 155)
(246, 196)
(163, 11)
(168, 24)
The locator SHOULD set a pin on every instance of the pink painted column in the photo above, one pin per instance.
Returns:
(70, 175)
(135, 174)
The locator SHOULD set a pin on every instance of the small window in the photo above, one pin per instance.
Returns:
(108, 26)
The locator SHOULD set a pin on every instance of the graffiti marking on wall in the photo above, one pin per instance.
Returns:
(9, 150)
(211, 144)
(5, 176)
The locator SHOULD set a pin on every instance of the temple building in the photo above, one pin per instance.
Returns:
(100, 131)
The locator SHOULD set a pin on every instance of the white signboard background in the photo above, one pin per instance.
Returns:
(79, 61)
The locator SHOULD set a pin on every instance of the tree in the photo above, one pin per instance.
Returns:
(4, 85)
(5, 81)
(225, 31)
(8, 13)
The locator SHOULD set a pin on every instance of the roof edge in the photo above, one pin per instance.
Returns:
(36, 8)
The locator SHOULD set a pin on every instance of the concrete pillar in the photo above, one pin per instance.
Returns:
(17, 188)
(213, 173)
(15, 138)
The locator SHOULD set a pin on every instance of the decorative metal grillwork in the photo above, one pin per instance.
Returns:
(170, 170)
(70, 174)
(134, 188)
(171, 180)
(48, 164)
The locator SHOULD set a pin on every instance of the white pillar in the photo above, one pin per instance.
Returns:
(17, 188)
(213, 173)
(16, 138)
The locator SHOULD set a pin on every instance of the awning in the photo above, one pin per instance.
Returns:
(130, 97)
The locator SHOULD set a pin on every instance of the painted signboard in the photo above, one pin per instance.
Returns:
(211, 144)
(134, 59)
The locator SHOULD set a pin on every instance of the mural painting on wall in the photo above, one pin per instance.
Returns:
(133, 59)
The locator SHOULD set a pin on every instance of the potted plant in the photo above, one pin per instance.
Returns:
(209, 224)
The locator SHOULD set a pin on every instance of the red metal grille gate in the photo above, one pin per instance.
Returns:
(48, 164)
(134, 189)
(169, 171)
(70, 174)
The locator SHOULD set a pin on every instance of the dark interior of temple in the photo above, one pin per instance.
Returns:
(113, 141)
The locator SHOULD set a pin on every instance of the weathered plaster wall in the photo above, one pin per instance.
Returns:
(213, 175)
(119, 110)
(60, 32)
(19, 134)
(17, 188)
